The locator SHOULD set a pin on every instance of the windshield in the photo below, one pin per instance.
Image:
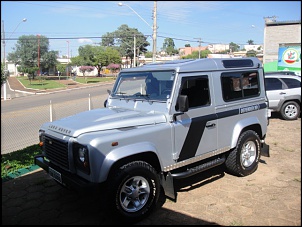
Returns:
(155, 85)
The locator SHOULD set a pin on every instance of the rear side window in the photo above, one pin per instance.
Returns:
(273, 84)
(292, 83)
(239, 85)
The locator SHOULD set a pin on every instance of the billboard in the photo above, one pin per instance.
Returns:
(289, 57)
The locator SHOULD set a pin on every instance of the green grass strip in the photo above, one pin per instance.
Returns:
(19, 162)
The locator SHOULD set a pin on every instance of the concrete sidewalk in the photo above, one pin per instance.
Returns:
(15, 85)
(18, 89)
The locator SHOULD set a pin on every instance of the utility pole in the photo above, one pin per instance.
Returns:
(134, 51)
(199, 40)
(38, 54)
(154, 31)
(67, 59)
(3, 43)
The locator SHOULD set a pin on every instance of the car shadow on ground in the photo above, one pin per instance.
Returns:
(276, 115)
(36, 198)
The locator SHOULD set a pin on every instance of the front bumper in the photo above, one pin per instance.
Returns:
(67, 179)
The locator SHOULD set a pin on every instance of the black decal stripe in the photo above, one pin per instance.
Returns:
(263, 105)
(196, 130)
(228, 113)
(194, 136)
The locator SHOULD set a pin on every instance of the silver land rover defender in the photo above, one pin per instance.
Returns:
(162, 121)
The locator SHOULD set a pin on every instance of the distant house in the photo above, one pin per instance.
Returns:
(184, 51)
(13, 69)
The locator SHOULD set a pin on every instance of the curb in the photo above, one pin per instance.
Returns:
(19, 173)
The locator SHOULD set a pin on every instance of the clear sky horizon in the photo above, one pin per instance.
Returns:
(84, 22)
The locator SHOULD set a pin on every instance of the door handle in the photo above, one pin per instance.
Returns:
(210, 125)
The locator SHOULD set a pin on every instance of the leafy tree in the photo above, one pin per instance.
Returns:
(123, 40)
(77, 61)
(149, 54)
(195, 54)
(62, 68)
(250, 42)
(28, 49)
(251, 53)
(30, 71)
(187, 45)
(108, 39)
(49, 60)
(84, 69)
(3, 73)
(233, 47)
(96, 56)
(169, 46)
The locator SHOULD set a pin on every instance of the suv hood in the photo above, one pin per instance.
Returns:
(103, 119)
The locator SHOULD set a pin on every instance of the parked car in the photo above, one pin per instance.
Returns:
(284, 94)
(161, 122)
(282, 72)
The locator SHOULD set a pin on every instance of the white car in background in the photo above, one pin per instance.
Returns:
(284, 94)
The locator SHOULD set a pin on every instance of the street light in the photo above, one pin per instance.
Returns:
(262, 31)
(255, 27)
(154, 28)
(23, 20)
(3, 42)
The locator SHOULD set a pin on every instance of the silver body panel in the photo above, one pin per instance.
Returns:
(144, 125)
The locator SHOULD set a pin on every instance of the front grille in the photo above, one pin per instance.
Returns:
(57, 152)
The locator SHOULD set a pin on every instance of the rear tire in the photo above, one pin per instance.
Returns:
(134, 191)
(290, 111)
(244, 159)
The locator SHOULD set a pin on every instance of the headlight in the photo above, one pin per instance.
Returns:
(41, 137)
(81, 157)
(83, 153)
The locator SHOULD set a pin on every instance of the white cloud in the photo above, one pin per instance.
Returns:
(85, 41)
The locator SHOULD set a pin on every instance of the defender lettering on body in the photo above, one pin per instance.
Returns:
(162, 121)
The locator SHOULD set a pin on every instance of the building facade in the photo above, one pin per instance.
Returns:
(279, 32)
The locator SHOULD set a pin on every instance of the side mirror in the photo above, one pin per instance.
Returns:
(183, 103)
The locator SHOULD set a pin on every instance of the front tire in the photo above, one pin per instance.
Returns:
(244, 159)
(134, 191)
(290, 111)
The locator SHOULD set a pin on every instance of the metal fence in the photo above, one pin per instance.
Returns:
(19, 129)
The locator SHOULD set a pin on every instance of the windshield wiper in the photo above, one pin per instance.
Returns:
(142, 95)
(120, 93)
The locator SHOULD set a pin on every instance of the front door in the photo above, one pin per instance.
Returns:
(196, 130)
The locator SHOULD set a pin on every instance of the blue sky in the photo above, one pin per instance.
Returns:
(81, 22)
